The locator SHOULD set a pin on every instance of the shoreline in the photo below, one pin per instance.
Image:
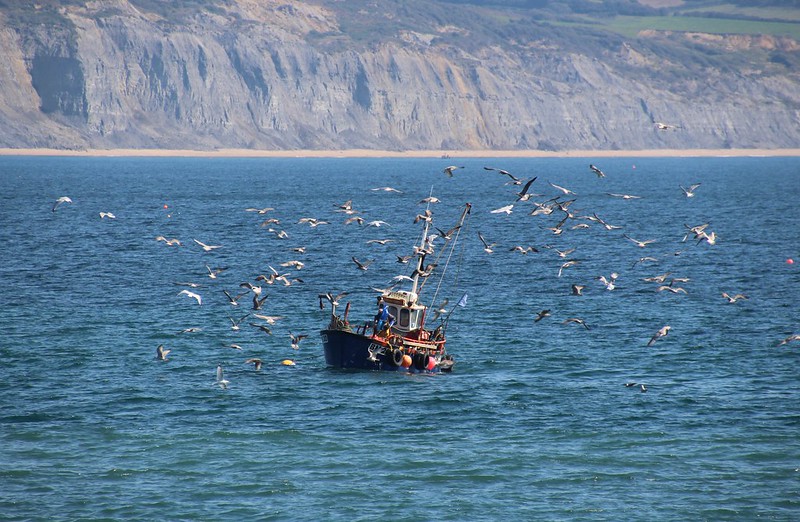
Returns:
(366, 153)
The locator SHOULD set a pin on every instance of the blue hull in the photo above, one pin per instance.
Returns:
(350, 350)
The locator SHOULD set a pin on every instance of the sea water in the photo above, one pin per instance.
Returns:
(534, 423)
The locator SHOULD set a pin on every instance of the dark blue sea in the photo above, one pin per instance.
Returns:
(535, 422)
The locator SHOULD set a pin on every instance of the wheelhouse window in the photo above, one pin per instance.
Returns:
(404, 317)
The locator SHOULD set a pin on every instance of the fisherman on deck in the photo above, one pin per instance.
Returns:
(383, 319)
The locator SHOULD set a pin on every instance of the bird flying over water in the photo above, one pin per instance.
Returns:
(662, 332)
(689, 192)
(296, 340)
(449, 170)
(205, 247)
(793, 337)
(59, 201)
(361, 266)
(541, 315)
(487, 247)
(108, 215)
(221, 381)
(733, 298)
(256, 362)
(600, 173)
(193, 295)
(161, 353)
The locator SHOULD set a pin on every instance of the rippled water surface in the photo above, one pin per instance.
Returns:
(535, 422)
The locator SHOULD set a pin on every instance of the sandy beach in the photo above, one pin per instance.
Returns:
(365, 153)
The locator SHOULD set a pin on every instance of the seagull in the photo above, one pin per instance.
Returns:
(270, 221)
(356, 219)
(641, 386)
(332, 299)
(161, 353)
(665, 126)
(207, 248)
(280, 234)
(235, 322)
(577, 289)
(514, 180)
(643, 259)
(221, 381)
(190, 330)
(377, 223)
(597, 171)
(689, 192)
(193, 295)
(361, 266)
(623, 196)
(565, 265)
(59, 201)
(374, 352)
(429, 199)
(264, 328)
(640, 244)
(793, 337)
(108, 215)
(403, 260)
(523, 195)
(426, 217)
(564, 253)
(296, 340)
(260, 210)
(255, 289)
(441, 309)
(609, 283)
(388, 189)
(258, 301)
(189, 284)
(657, 279)
(234, 301)
(169, 242)
(566, 191)
(523, 250)
(233, 346)
(541, 315)
(449, 170)
(298, 265)
(733, 298)
(486, 246)
(506, 209)
(670, 288)
(256, 362)
(576, 321)
(270, 319)
(662, 332)
(213, 273)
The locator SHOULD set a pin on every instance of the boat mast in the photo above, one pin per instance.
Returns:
(420, 258)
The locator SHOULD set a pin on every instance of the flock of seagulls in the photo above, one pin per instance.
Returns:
(568, 221)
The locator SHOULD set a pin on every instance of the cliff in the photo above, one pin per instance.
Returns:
(380, 75)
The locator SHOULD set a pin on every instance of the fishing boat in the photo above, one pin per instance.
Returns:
(398, 337)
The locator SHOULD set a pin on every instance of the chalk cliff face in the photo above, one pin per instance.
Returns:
(287, 75)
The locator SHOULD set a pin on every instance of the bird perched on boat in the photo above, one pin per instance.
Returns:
(640, 244)
(296, 340)
(332, 299)
(793, 337)
(193, 295)
(255, 361)
(576, 320)
(60, 201)
(506, 209)
(221, 381)
(689, 192)
(449, 170)
(662, 332)
(600, 173)
(541, 315)
(577, 289)
(733, 298)
(161, 353)
(108, 215)
(487, 247)
(361, 266)
(206, 248)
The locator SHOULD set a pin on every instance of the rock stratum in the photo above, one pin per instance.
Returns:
(277, 75)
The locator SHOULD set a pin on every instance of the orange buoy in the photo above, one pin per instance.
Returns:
(406, 361)
(287, 362)
(790, 261)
